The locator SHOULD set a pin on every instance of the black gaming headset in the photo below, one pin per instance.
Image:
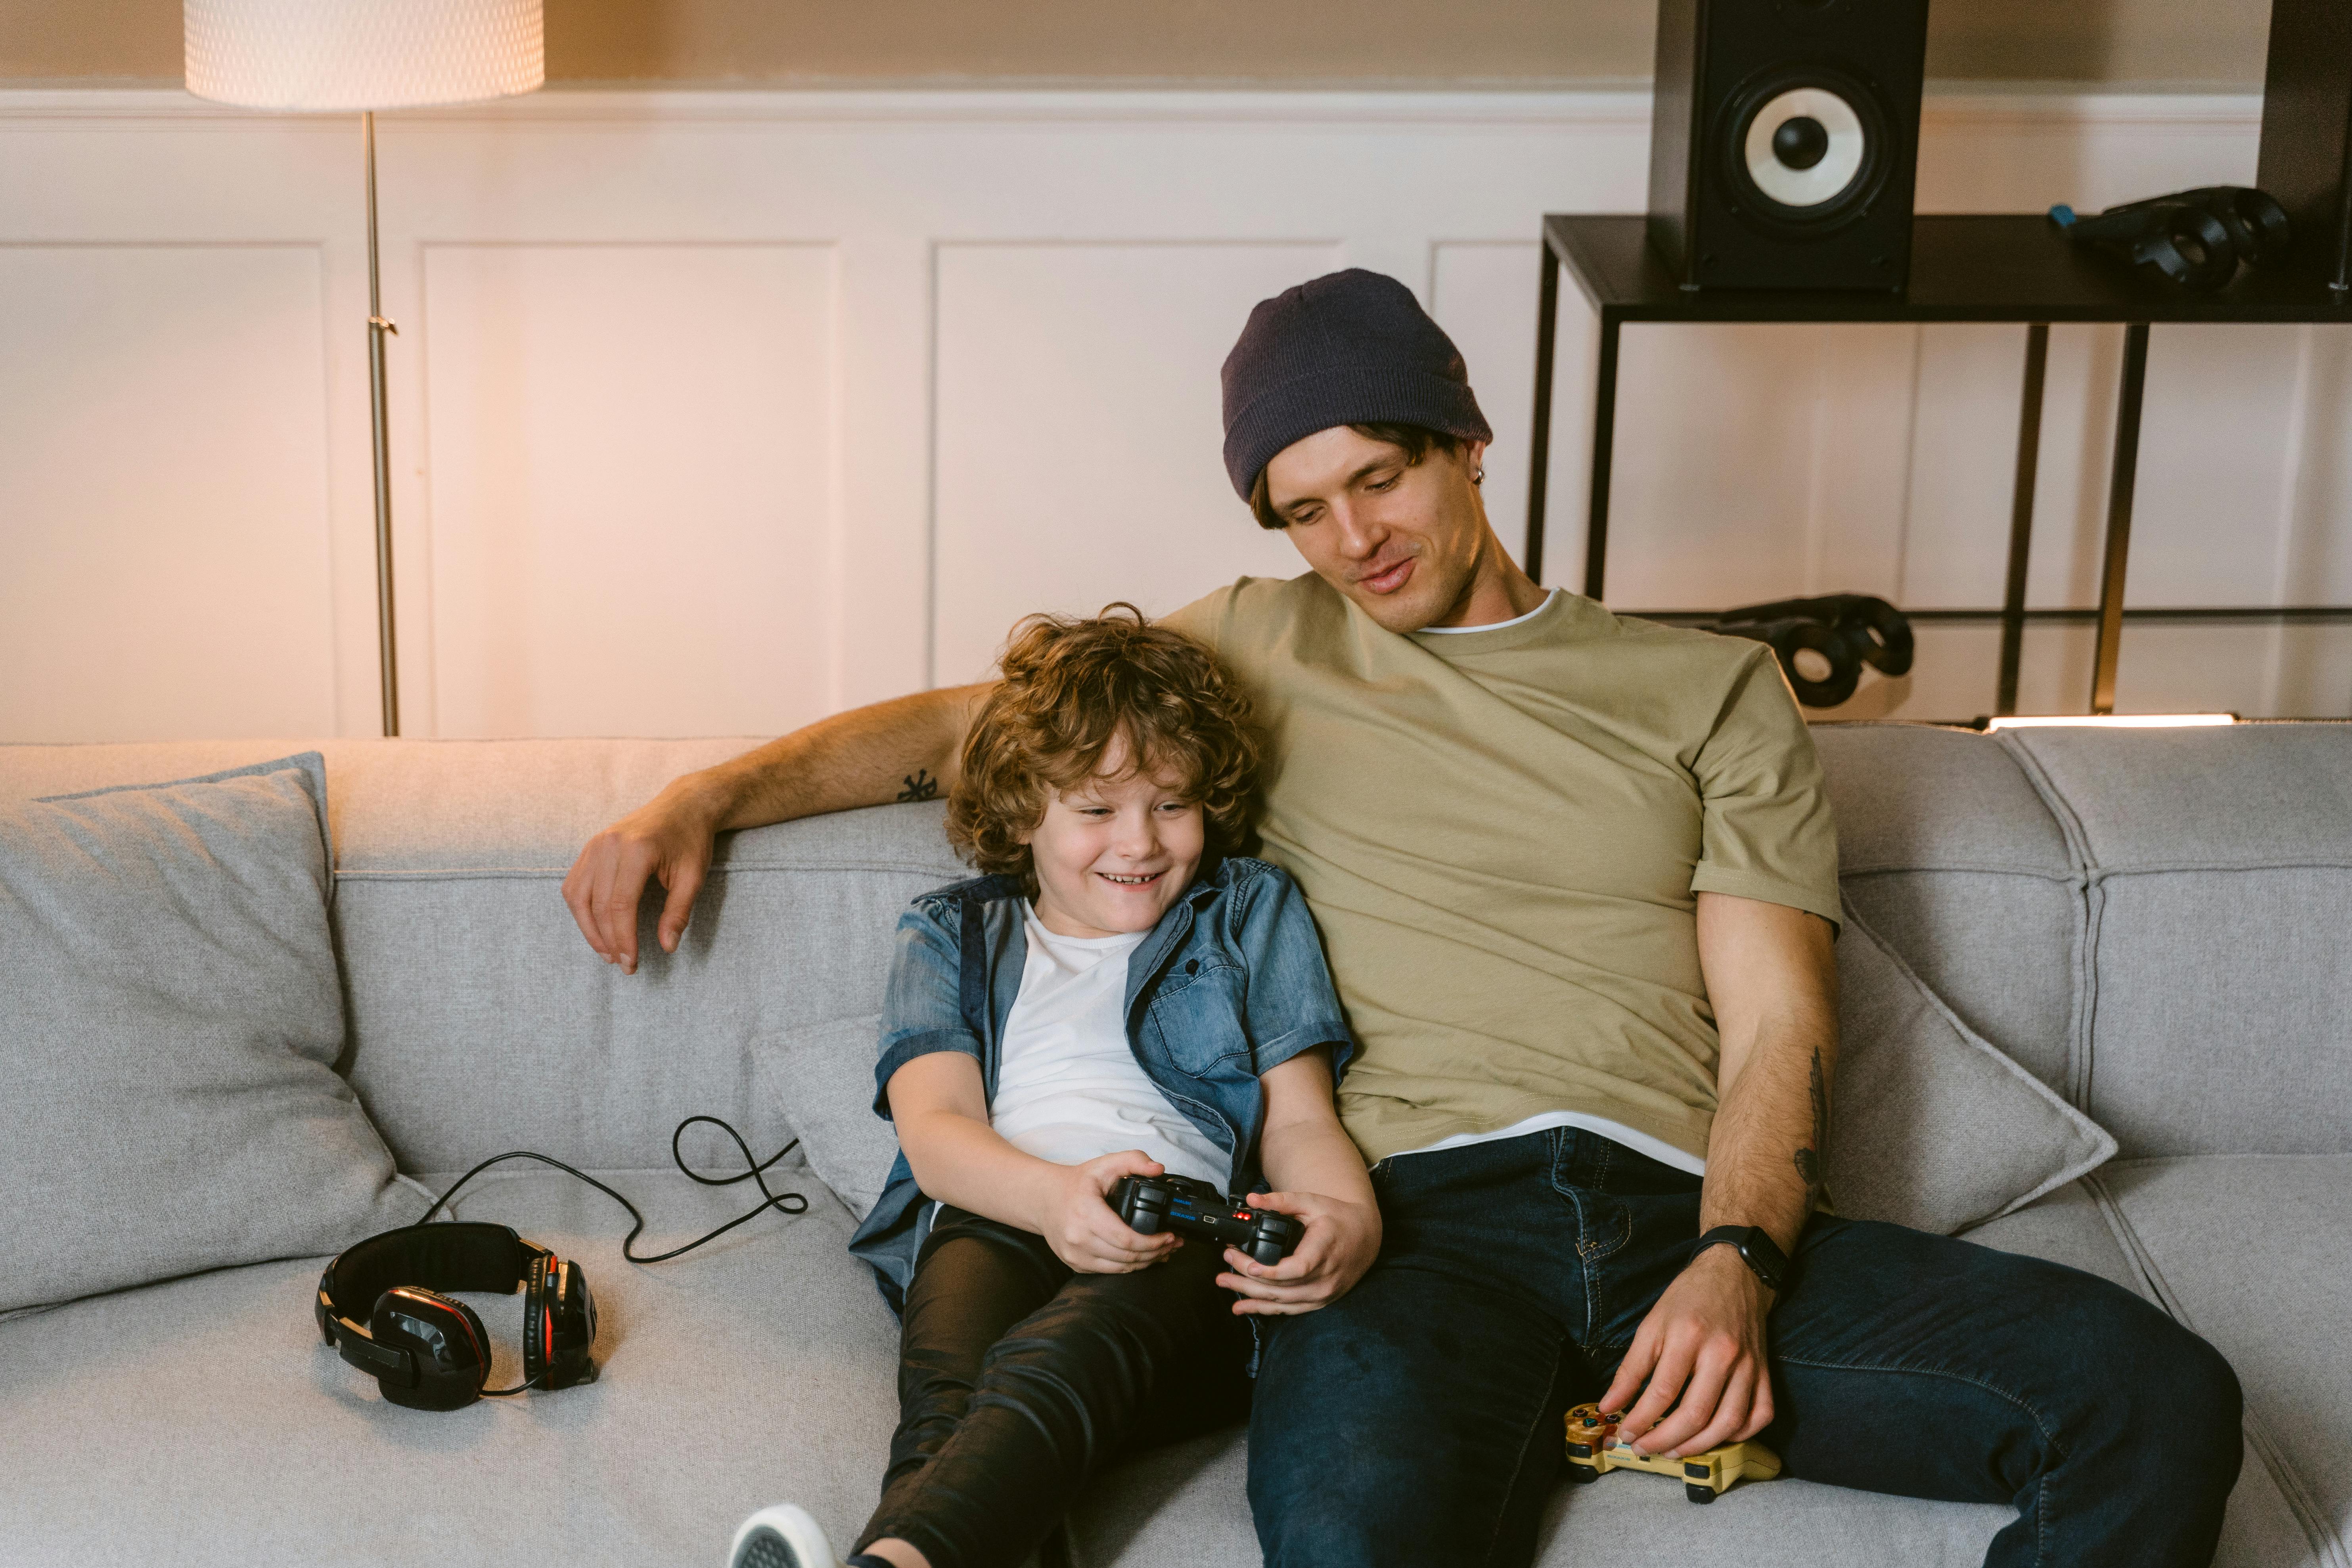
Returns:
(429, 1352)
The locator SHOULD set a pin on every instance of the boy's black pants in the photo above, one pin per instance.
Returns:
(1019, 1380)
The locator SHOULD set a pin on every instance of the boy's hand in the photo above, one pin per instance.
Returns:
(1083, 1229)
(1341, 1240)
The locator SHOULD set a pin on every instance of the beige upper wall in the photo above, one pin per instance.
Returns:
(1417, 42)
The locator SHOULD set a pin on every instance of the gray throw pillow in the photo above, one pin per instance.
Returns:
(1930, 1125)
(824, 1074)
(169, 1026)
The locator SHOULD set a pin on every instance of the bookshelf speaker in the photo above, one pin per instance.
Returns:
(1784, 139)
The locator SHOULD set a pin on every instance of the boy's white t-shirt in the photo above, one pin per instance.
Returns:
(1068, 1088)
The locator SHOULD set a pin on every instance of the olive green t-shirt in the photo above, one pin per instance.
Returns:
(1501, 834)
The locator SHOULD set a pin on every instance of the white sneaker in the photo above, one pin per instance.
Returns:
(780, 1537)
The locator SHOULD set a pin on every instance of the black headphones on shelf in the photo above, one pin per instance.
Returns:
(1847, 630)
(2197, 238)
(429, 1352)
(426, 1352)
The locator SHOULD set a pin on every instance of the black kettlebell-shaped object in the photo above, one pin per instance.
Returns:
(2257, 226)
(1846, 630)
(2182, 241)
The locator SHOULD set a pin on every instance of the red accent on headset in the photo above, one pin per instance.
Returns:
(547, 1313)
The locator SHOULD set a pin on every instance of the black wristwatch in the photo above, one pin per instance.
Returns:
(1759, 1251)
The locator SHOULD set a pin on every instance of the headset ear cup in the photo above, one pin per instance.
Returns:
(565, 1327)
(445, 1338)
(535, 1320)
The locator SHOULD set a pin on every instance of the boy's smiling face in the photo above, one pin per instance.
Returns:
(1114, 851)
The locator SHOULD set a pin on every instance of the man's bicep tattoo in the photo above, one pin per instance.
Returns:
(921, 785)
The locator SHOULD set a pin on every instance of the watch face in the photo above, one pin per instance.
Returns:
(1764, 1257)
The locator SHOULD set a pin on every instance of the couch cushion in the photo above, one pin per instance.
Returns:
(480, 978)
(2220, 870)
(203, 1423)
(2072, 1226)
(1934, 1127)
(1946, 850)
(168, 1031)
(2254, 1252)
(1186, 1505)
(757, 1370)
(480, 1019)
(825, 1073)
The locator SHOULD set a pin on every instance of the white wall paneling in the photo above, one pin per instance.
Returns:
(713, 412)
(1052, 359)
(164, 538)
(629, 454)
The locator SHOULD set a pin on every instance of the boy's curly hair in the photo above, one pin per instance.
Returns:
(1070, 687)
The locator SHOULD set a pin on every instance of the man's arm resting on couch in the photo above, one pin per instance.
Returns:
(910, 748)
(1771, 974)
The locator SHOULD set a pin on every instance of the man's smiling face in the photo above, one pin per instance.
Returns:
(1403, 540)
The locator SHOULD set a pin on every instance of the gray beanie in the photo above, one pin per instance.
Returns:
(1348, 348)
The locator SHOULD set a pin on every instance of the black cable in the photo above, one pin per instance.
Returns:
(781, 1202)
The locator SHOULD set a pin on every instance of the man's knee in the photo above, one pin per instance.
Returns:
(2193, 1397)
(2170, 1397)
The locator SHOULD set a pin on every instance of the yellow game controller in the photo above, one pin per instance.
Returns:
(1594, 1449)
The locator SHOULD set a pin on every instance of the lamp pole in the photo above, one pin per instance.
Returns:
(386, 643)
(366, 55)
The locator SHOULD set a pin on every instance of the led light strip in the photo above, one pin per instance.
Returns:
(2112, 721)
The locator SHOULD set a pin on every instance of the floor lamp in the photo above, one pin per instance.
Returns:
(316, 56)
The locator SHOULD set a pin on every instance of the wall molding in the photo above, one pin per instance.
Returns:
(1953, 110)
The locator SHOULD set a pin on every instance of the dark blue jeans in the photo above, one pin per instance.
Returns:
(1417, 1420)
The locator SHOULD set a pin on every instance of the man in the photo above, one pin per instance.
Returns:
(1577, 884)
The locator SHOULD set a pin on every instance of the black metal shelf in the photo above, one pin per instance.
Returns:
(1989, 268)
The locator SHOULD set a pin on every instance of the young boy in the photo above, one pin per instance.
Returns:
(1119, 994)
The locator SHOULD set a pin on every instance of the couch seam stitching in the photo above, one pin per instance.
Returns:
(1975, 867)
(2079, 1065)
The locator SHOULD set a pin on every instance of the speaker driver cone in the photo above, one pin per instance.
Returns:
(1805, 151)
(1805, 147)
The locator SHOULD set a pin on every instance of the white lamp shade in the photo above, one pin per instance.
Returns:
(363, 54)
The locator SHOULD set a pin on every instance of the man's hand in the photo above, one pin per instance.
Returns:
(1341, 1240)
(1081, 1227)
(669, 838)
(1701, 1352)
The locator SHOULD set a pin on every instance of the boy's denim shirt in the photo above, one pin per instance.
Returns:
(1229, 985)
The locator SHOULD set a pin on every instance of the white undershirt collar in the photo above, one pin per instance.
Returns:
(1496, 626)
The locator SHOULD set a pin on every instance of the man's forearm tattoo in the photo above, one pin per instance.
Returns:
(921, 785)
(1808, 1159)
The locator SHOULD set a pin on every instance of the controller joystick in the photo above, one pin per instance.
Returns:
(1150, 1205)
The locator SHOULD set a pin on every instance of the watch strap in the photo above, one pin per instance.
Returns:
(1756, 1249)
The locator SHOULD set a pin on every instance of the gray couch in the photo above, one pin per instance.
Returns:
(2157, 925)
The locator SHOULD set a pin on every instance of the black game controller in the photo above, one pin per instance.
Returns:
(1153, 1203)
